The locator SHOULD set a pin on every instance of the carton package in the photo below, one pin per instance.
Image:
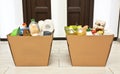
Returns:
(89, 50)
(30, 50)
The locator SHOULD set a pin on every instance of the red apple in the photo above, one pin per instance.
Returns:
(93, 31)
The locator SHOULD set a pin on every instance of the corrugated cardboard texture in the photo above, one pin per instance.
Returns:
(29, 50)
(89, 50)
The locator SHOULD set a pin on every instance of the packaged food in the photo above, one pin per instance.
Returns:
(46, 26)
(33, 27)
(89, 32)
(22, 27)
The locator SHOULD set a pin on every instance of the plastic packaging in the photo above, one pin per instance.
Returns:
(46, 27)
(22, 28)
(33, 27)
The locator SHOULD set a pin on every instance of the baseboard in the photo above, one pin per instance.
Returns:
(3, 39)
(56, 38)
(59, 38)
(115, 38)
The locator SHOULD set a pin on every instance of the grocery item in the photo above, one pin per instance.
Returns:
(41, 28)
(66, 29)
(93, 31)
(79, 31)
(76, 30)
(26, 32)
(84, 29)
(72, 29)
(47, 33)
(15, 32)
(99, 27)
(46, 26)
(40, 25)
(34, 29)
(22, 27)
(89, 32)
(99, 32)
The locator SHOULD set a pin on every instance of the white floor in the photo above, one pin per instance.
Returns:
(59, 62)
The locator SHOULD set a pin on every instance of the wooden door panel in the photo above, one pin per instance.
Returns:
(75, 3)
(41, 9)
(74, 18)
(41, 3)
(80, 12)
(38, 9)
(42, 15)
(74, 12)
(86, 12)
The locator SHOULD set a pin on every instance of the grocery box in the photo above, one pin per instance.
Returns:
(30, 50)
(89, 50)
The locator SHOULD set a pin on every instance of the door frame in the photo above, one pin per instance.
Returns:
(118, 31)
(24, 4)
(25, 13)
(91, 13)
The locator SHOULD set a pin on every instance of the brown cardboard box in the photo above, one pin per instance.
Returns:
(89, 50)
(30, 50)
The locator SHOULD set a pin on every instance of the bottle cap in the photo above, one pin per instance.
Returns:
(32, 19)
(89, 29)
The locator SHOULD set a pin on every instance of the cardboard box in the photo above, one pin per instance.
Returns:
(89, 50)
(30, 50)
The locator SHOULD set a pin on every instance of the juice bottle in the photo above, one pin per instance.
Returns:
(33, 27)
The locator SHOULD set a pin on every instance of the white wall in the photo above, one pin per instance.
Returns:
(59, 16)
(11, 15)
(18, 12)
(7, 17)
(102, 11)
(114, 16)
(107, 10)
(119, 20)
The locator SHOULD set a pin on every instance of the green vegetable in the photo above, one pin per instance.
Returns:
(15, 32)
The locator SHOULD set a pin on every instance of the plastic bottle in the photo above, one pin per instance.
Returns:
(22, 27)
(33, 27)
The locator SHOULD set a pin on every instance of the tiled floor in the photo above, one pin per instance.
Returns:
(59, 62)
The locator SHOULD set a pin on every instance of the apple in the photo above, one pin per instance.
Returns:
(93, 31)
